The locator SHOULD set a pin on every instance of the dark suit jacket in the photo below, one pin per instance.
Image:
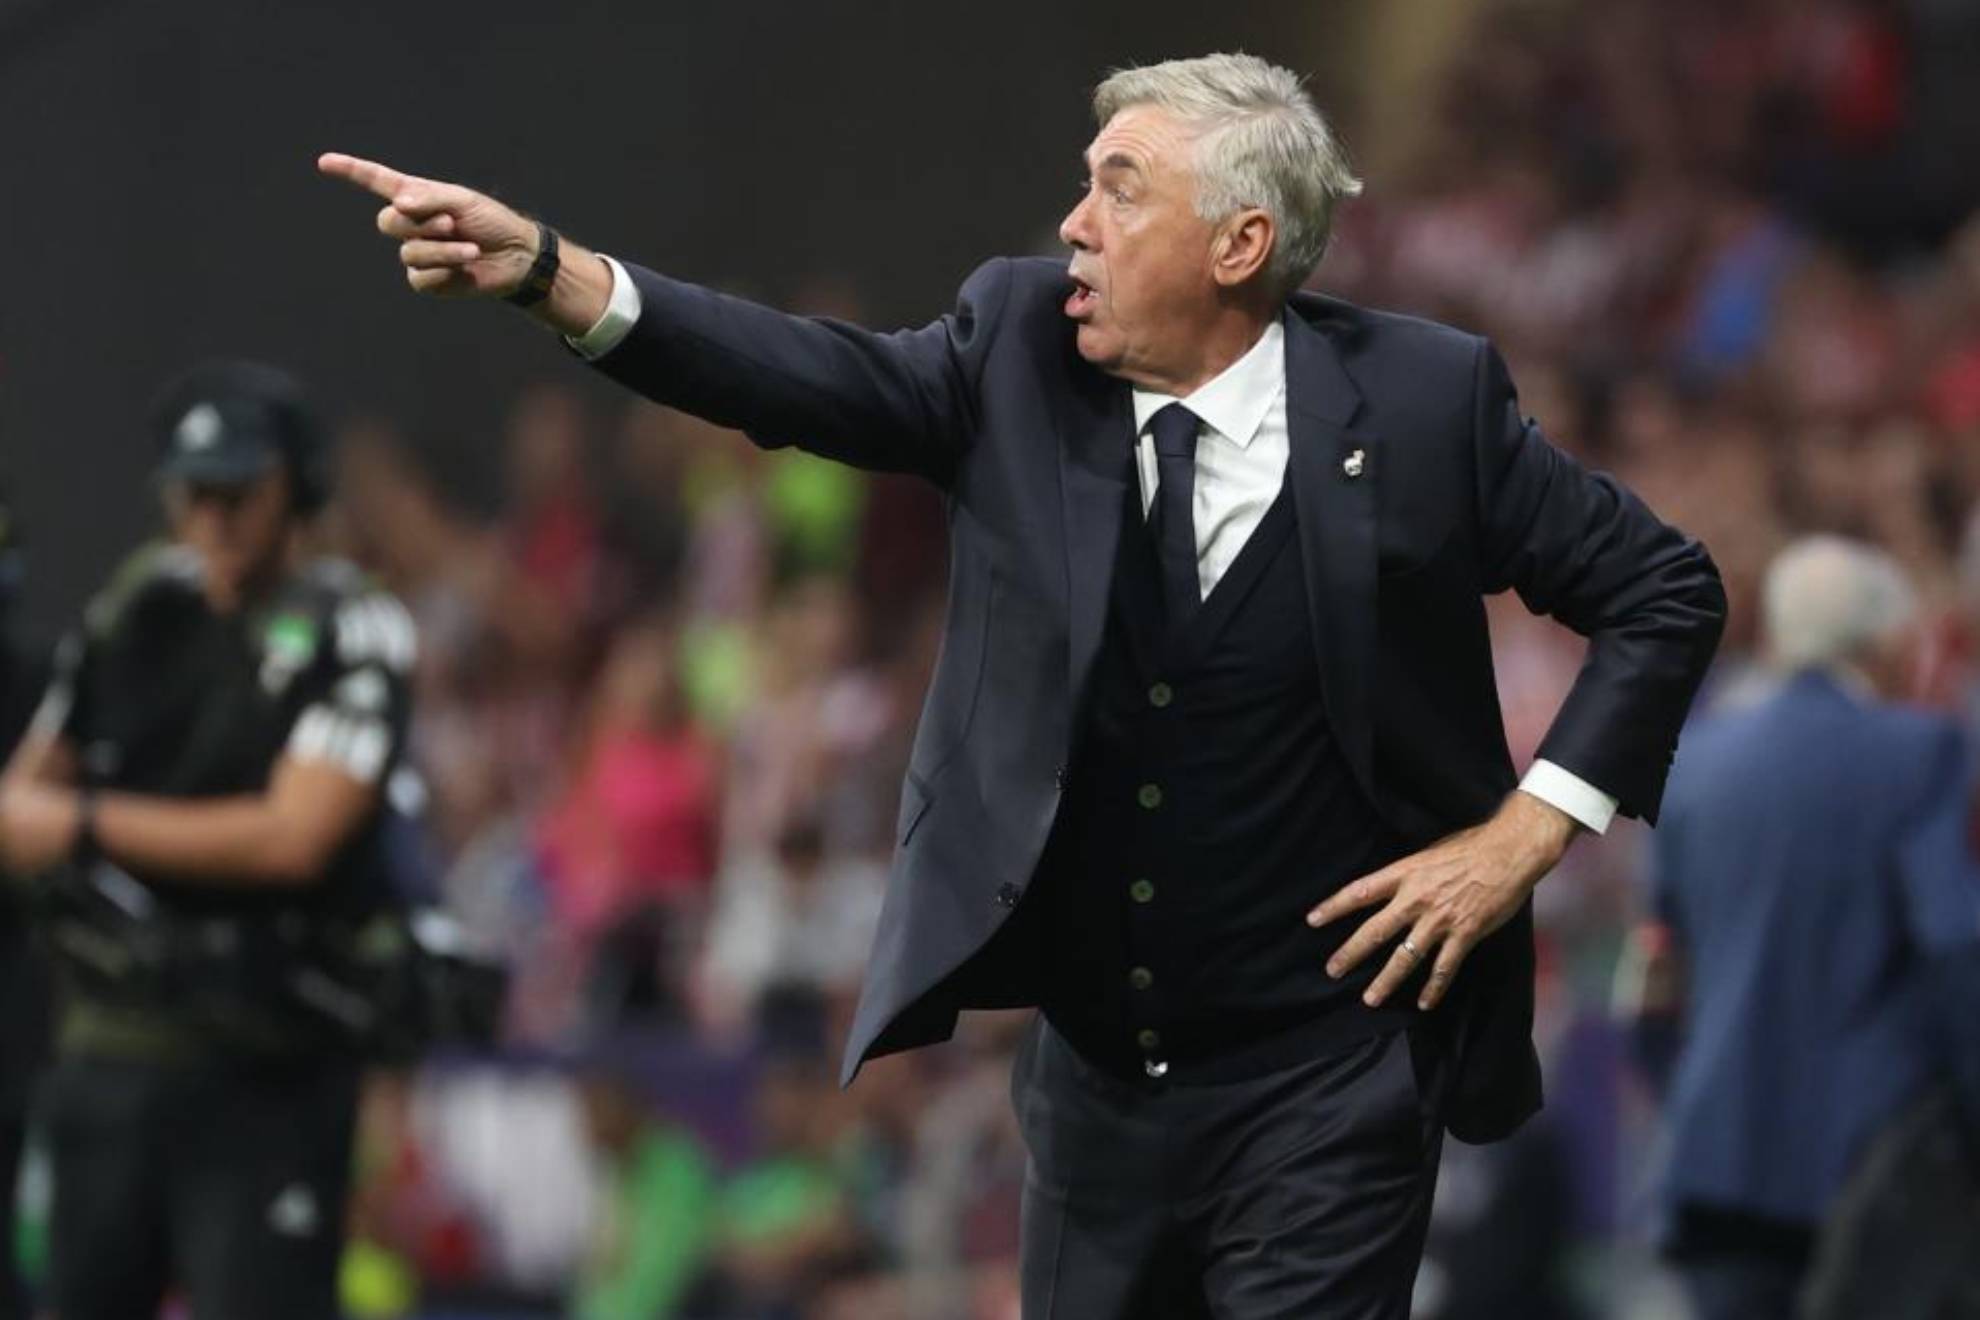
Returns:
(1813, 866)
(1455, 497)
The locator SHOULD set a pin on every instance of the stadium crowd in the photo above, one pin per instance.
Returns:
(665, 699)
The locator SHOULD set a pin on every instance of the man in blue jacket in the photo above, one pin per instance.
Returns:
(1820, 905)
(1215, 675)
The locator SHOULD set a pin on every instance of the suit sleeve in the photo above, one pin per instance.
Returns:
(1939, 887)
(1580, 548)
(899, 402)
(1938, 880)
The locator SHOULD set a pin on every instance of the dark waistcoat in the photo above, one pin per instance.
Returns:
(1209, 808)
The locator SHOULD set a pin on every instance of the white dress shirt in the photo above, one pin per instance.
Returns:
(1242, 449)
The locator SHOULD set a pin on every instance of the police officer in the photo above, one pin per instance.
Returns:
(208, 769)
(22, 999)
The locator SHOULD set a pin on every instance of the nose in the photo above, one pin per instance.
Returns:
(1076, 230)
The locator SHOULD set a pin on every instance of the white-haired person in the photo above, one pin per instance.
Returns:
(1214, 677)
(1818, 931)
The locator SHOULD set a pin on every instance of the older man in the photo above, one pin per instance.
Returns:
(1813, 879)
(1215, 675)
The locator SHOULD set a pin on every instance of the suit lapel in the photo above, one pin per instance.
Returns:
(1095, 448)
(1335, 467)
(1337, 523)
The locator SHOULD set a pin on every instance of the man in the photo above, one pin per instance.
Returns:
(209, 761)
(1815, 892)
(23, 988)
(1215, 675)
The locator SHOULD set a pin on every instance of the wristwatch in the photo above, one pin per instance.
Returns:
(85, 847)
(542, 272)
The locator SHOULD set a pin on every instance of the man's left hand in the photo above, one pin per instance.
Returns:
(38, 826)
(1444, 900)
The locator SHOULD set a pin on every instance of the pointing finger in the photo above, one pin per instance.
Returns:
(426, 252)
(423, 199)
(380, 180)
(394, 223)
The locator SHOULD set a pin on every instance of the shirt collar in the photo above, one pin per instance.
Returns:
(1235, 401)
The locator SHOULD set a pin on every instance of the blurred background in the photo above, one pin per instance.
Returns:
(668, 683)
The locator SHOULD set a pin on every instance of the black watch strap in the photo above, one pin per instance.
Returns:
(86, 847)
(542, 272)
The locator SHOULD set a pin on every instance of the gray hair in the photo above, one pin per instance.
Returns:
(1828, 601)
(1259, 142)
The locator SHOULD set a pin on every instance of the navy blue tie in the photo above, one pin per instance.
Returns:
(1171, 523)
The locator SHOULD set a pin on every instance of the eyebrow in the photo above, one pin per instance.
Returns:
(1118, 160)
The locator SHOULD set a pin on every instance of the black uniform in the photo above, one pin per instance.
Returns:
(23, 1000)
(200, 1112)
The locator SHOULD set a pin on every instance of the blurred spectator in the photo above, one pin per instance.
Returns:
(809, 704)
(795, 917)
(1813, 875)
(959, 1205)
(556, 545)
(644, 521)
(629, 847)
(405, 1228)
(784, 1225)
(652, 1230)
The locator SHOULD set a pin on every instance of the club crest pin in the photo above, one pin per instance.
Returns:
(1353, 463)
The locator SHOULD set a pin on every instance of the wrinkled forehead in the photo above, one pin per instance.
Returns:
(1142, 139)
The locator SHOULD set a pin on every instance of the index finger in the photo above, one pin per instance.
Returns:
(380, 180)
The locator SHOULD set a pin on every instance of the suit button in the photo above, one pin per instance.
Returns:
(1059, 777)
(1161, 695)
(1155, 1068)
(1149, 796)
(1008, 895)
(1147, 1039)
(1141, 978)
(1142, 891)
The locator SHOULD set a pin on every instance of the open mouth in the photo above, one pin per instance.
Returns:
(1083, 298)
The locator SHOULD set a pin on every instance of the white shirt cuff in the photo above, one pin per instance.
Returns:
(615, 322)
(1571, 793)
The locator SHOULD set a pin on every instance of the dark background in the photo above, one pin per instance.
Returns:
(162, 203)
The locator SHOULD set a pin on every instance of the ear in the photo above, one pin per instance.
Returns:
(1242, 247)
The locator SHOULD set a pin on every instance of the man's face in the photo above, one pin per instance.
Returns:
(239, 530)
(1141, 255)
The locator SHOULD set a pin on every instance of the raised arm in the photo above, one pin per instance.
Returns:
(897, 402)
